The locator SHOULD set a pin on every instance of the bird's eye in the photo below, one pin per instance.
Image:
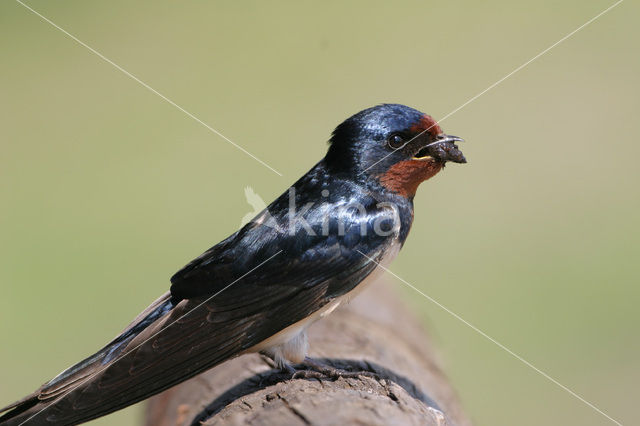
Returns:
(395, 141)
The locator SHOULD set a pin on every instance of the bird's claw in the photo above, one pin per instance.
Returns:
(318, 370)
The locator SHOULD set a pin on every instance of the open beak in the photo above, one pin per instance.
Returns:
(442, 149)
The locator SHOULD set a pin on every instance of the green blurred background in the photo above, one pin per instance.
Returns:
(106, 189)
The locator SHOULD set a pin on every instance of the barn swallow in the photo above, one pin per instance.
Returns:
(259, 290)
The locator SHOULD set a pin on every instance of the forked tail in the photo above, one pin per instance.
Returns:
(40, 408)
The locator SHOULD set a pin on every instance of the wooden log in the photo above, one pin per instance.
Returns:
(373, 334)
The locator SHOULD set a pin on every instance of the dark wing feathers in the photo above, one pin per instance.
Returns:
(179, 351)
(326, 247)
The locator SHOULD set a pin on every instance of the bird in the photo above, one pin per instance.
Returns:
(311, 250)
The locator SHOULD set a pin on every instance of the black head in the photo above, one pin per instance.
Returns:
(391, 140)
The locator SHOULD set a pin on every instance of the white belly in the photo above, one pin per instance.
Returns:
(291, 344)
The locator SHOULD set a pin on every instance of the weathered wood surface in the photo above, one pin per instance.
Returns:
(374, 334)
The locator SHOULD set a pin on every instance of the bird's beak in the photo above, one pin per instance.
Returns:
(449, 138)
(442, 149)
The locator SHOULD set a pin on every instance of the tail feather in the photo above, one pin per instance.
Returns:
(170, 342)
(19, 412)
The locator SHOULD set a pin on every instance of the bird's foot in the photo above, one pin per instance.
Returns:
(318, 370)
(285, 368)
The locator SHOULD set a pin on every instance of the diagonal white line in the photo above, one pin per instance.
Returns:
(531, 60)
(500, 345)
(503, 78)
(128, 74)
(150, 337)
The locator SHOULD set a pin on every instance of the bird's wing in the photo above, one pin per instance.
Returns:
(281, 252)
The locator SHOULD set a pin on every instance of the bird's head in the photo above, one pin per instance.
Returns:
(397, 146)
